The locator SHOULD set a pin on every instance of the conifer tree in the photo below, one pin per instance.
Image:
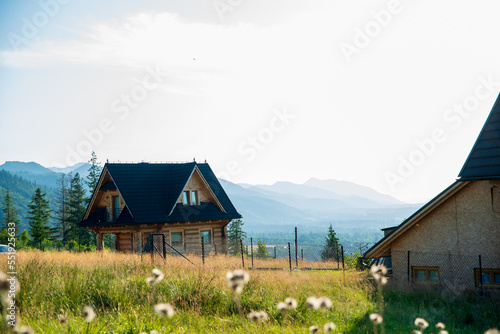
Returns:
(234, 234)
(10, 222)
(262, 252)
(94, 173)
(331, 246)
(62, 208)
(39, 214)
(77, 206)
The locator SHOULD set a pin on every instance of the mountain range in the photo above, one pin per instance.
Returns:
(279, 207)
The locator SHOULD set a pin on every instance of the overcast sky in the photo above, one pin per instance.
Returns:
(387, 94)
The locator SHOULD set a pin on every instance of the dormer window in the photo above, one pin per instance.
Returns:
(190, 197)
(194, 197)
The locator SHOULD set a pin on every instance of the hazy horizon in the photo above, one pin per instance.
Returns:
(387, 94)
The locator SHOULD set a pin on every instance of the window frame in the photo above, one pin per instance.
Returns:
(185, 197)
(209, 236)
(492, 272)
(414, 270)
(196, 199)
(180, 238)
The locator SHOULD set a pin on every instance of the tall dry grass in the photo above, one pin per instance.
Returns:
(114, 284)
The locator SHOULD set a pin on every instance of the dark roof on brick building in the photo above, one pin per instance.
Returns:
(483, 162)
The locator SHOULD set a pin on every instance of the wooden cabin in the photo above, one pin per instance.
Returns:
(183, 201)
(453, 241)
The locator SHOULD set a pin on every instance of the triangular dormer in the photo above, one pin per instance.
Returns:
(198, 191)
(106, 200)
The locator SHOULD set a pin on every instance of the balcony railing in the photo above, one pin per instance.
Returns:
(109, 214)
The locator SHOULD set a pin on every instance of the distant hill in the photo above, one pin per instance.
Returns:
(21, 191)
(41, 175)
(312, 206)
(68, 169)
(345, 188)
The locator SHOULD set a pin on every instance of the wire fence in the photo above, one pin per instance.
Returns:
(258, 254)
(455, 272)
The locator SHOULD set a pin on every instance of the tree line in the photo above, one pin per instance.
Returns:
(235, 233)
(70, 205)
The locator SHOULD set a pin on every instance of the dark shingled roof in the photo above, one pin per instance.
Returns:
(150, 192)
(483, 162)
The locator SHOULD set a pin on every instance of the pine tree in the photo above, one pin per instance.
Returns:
(331, 246)
(76, 208)
(234, 234)
(262, 252)
(62, 211)
(39, 214)
(10, 222)
(94, 173)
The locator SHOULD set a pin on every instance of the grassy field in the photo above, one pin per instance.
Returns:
(54, 283)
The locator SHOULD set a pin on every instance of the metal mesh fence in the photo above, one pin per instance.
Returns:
(455, 272)
(249, 253)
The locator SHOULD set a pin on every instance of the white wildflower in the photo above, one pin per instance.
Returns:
(312, 302)
(291, 303)
(313, 329)
(258, 316)
(440, 325)
(164, 310)
(376, 318)
(237, 279)
(88, 313)
(329, 327)
(420, 322)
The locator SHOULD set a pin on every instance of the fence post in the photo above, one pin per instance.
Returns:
(275, 252)
(302, 254)
(408, 266)
(481, 274)
(164, 250)
(251, 249)
(203, 250)
(343, 266)
(242, 256)
(152, 250)
(215, 249)
(296, 258)
(338, 258)
(290, 257)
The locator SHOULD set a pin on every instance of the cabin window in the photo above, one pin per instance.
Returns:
(116, 207)
(490, 278)
(194, 197)
(205, 236)
(190, 197)
(426, 275)
(185, 198)
(176, 238)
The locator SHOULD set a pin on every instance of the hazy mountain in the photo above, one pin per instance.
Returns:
(314, 205)
(41, 175)
(21, 191)
(345, 188)
(265, 208)
(32, 171)
(68, 169)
